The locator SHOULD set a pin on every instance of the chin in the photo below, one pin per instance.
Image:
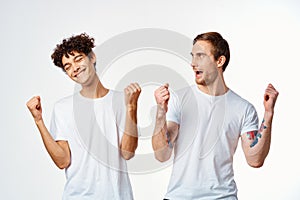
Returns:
(200, 82)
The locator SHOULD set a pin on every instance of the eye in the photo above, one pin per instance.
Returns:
(199, 55)
(67, 67)
(78, 59)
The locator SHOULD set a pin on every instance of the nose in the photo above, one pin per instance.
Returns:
(193, 64)
(76, 67)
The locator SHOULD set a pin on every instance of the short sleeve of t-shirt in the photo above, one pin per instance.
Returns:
(174, 111)
(58, 125)
(250, 122)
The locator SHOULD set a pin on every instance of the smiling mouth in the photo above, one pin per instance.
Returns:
(79, 73)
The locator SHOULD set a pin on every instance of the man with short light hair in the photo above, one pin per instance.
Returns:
(203, 124)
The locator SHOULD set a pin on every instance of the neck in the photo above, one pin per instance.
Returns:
(94, 89)
(216, 88)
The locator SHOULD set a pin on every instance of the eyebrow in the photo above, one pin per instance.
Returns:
(198, 53)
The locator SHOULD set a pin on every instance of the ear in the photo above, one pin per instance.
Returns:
(92, 57)
(221, 61)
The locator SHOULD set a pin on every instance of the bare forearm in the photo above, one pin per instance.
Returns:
(130, 137)
(59, 156)
(256, 144)
(260, 144)
(161, 139)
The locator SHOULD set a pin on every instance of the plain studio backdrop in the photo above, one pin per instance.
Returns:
(264, 41)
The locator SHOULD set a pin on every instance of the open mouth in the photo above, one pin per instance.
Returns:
(199, 72)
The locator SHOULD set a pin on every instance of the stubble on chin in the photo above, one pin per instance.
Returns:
(200, 82)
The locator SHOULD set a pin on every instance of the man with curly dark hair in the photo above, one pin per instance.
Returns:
(94, 131)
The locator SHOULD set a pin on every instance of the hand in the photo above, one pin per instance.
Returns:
(34, 106)
(162, 96)
(270, 98)
(132, 93)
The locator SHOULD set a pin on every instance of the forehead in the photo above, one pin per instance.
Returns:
(202, 46)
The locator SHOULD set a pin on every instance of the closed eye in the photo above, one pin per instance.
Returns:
(78, 58)
(67, 67)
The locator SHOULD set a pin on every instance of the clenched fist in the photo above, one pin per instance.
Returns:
(162, 96)
(34, 106)
(132, 93)
(270, 98)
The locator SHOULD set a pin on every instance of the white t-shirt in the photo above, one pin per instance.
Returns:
(93, 129)
(209, 130)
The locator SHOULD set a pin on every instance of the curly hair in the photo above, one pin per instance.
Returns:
(220, 45)
(80, 43)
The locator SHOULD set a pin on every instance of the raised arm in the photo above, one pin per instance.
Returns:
(256, 144)
(129, 140)
(165, 133)
(58, 150)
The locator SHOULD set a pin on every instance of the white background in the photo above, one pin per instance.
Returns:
(264, 41)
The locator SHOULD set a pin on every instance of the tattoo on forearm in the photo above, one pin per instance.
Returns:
(169, 140)
(254, 135)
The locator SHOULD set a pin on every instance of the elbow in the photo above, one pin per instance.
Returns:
(256, 164)
(127, 155)
(127, 149)
(161, 154)
(63, 165)
(161, 158)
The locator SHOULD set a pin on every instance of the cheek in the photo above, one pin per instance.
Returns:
(69, 74)
(210, 64)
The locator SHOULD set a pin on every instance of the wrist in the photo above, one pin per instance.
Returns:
(38, 121)
(131, 107)
(269, 113)
(268, 118)
(161, 112)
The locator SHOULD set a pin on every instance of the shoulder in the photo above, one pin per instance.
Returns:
(182, 93)
(116, 97)
(66, 99)
(64, 103)
(115, 93)
(186, 90)
(238, 101)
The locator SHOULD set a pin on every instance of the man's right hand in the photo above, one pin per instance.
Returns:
(34, 106)
(162, 96)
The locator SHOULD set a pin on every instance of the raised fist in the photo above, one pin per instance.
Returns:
(132, 93)
(34, 106)
(270, 98)
(162, 96)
